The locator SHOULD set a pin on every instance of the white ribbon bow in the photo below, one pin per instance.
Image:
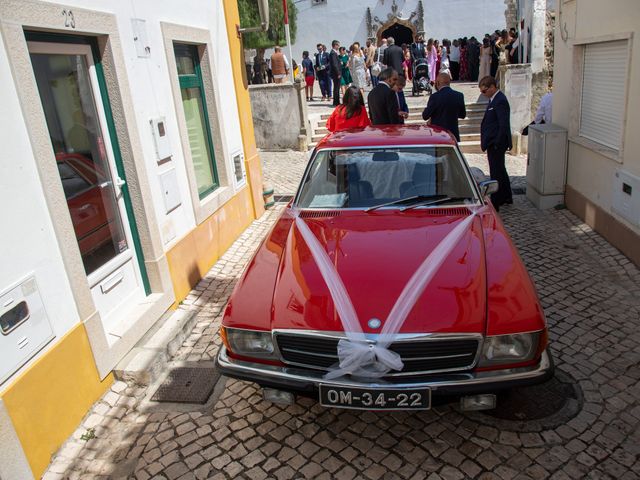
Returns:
(357, 356)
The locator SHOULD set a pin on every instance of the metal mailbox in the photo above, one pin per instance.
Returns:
(24, 326)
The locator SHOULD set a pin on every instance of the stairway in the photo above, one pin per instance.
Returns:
(469, 126)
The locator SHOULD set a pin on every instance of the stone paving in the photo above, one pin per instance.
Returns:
(591, 296)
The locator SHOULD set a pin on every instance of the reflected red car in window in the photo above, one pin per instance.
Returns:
(89, 195)
(388, 281)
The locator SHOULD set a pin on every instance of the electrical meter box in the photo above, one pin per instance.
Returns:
(160, 138)
(547, 165)
(239, 173)
(24, 326)
(626, 196)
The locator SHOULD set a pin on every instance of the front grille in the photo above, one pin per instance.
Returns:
(418, 356)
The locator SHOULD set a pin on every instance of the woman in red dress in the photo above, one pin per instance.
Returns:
(464, 66)
(351, 114)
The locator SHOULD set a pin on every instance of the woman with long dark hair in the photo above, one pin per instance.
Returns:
(351, 114)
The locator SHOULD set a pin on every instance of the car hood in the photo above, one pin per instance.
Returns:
(375, 254)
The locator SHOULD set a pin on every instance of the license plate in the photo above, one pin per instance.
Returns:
(375, 398)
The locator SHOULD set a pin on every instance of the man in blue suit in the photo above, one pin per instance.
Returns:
(446, 106)
(495, 138)
(322, 72)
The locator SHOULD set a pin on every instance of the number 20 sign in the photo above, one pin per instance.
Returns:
(69, 19)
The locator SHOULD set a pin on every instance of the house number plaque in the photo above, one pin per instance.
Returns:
(69, 20)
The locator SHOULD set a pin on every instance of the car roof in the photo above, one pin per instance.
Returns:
(388, 135)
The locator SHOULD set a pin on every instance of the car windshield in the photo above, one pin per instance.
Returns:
(370, 177)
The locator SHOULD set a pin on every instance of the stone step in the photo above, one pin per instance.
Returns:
(472, 114)
(470, 137)
(470, 147)
(470, 121)
(469, 118)
(469, 127)
(463, 126)
(148, 359)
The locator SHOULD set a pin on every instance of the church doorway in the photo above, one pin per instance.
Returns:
(400, 33)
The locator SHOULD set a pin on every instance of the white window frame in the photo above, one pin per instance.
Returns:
(578, 63)
(204, 207)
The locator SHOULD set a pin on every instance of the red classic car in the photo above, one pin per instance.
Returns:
(389, 281)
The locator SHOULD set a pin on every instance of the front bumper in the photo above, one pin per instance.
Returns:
(445, 384)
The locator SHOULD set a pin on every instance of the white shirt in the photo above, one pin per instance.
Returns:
(544, 109)
(444, 60)
(493, 96)
(454, 56)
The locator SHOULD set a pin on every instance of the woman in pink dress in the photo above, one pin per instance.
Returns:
(432, 59)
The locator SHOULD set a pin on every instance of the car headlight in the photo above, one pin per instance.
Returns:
(516, 348)
(252, 343)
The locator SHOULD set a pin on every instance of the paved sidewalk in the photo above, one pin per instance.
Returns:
(591, 296)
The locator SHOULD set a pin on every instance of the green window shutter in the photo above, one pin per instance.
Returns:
(196, 116)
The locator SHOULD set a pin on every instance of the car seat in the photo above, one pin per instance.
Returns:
(423, 181)
(358, 190)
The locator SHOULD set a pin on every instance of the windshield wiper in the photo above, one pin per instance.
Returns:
(415, 198)
(435, 202)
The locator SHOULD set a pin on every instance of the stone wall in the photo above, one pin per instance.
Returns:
(515, 83)
(542, 81)
(279, 116)
(511, 14)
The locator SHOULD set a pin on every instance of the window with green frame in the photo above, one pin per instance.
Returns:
(196, 117)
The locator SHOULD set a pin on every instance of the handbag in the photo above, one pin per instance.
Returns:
(376, 68)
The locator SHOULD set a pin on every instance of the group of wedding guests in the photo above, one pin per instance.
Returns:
(465, 59)
(335, 70)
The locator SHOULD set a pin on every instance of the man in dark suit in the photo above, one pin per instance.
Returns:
(495, 138)
(445, 107)
(393, 56)
(403, 111)
(382, 100)
(418, 50)
(335, 67)
(322, 72)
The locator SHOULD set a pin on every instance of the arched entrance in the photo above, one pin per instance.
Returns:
(400, 32)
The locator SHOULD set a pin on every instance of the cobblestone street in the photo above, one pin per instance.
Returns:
(591, 296)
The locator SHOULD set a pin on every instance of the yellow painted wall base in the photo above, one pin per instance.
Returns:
(47, 402)
(192, 257)
(252, 159)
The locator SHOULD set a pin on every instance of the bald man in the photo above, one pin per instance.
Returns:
(445, 106)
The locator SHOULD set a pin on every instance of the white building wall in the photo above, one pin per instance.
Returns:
(149, 80)
(28, 244)
(345, 20)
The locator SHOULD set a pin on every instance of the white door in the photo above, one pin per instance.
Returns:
(69, 90)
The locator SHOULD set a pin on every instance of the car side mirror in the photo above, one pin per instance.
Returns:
(488, 187)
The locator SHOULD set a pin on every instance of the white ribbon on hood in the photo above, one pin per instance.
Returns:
(374, 360)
